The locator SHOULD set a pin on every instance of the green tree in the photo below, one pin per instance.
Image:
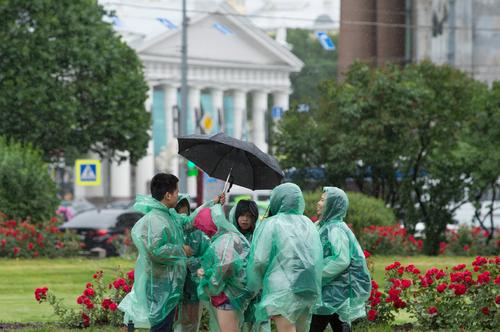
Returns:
(319, 65)
(397, 133)
(68, 83)
(26, 189)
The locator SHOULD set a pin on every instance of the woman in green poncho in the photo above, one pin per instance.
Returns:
(190, 313)
(244, 216)
(222, 277)
(346, 282)
(285, 262)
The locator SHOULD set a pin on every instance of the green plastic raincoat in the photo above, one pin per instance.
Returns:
(286, 260)
(250, 324)
(160, 269)
(224, 264)
(190, 311)
(346, 282)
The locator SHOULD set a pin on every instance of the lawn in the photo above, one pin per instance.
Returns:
(67, 277)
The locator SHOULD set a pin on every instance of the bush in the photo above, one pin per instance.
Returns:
(470, 241)
(22, 239)
(390, 240)
(26, 189)
(98, 303)
(454, 299)
(363, 210)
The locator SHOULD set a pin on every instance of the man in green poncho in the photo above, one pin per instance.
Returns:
(160, 269)
(346, 282)
(285, 262)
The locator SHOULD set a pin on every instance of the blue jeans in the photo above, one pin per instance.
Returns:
(166, 325)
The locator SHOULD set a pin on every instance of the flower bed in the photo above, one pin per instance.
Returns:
(394, 240)
(456, 298)
(97, 304)
(26, 240)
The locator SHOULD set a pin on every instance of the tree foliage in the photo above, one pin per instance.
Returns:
(68, 83)
(319, 65)
(403, 135)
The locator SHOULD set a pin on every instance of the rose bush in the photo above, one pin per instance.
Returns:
(456, 298)
(44, 239)
(394, 240)
(97, 304)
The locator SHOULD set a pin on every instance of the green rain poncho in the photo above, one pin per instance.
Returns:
(286, 260)
(224, 264)
(160, 268)
(346, 282)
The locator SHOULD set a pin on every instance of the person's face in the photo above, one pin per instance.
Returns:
(245, 221)
(170, 199)
(183, 209)
(320, 205)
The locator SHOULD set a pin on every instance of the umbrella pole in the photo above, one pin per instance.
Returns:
(227, 180)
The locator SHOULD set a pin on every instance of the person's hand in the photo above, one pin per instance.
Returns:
(200, 273)
(220, 199)
(187, 250)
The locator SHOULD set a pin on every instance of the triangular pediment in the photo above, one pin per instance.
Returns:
(223, 37)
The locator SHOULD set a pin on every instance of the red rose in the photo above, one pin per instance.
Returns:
(16, 250)
(41, 293)
(366, 253)
(401, 270)
(497, 299)
(484, 278)
(416, 271)
(88, 285)
(130, 275)
(31, 246)
(105, 303)
(113, 306)
(81, 299)
(374, 284)
(4, 242)
(399, 304)
(432, 310)
(126, 288)
(372, 314)
(118, 283)
(89, 292)
(85, 320)
(460, 289)
(441, 287)
(405, 283)
(458, 267)
(485, 311)
(94, 276)
(376, 301)
(466, 248)
(497, 280)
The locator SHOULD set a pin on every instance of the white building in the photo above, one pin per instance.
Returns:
(236, 74)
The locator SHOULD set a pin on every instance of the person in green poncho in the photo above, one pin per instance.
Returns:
(346, 282)
(285, 262)
(160, 269)
(222, 276)
(198, 242)
(244, 216)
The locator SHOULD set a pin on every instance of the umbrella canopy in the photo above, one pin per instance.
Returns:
(218, 155)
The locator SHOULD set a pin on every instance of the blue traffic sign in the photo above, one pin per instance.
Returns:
(325, 41)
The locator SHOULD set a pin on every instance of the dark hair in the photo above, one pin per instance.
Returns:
(246, 206)
(183, 202)
(162, 183)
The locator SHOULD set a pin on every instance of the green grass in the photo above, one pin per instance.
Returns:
(66, 278)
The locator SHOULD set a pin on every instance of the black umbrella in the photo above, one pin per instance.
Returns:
(224, 157)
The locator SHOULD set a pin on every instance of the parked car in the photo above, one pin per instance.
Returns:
(96, 227)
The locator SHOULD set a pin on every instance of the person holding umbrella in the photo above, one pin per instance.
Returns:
(346, 283)
(285, 262)
(160, 269)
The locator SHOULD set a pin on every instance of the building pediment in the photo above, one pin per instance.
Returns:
(222, 37)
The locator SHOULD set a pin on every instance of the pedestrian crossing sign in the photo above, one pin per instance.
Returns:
(88, 172)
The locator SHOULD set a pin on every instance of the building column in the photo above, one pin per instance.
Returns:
(281, 99)
(259, 108)
(171, 113)
(120, 179)
(145, 166)
(218, 107)
(194, 95)
(240, 104)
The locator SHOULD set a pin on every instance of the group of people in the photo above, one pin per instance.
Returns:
(246, 270)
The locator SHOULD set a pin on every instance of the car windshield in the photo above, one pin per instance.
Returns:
(94, 219)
